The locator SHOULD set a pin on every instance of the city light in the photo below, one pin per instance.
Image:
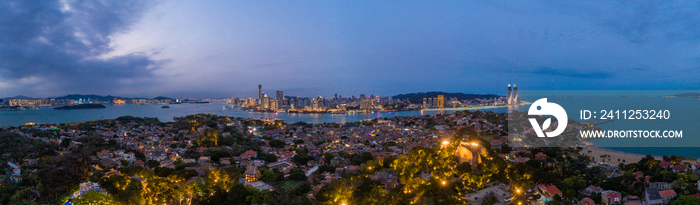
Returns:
(443, 182)
(445, 142)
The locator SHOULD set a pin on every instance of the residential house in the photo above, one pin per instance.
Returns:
(252, 174)
(678, 168)
(587, 201)
(609, 197)
(653, 197)
(388, 178)
(667, 195)
(541, 156)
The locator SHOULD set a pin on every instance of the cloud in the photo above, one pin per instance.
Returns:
(641, 22)
(57, 44)
(571, 73)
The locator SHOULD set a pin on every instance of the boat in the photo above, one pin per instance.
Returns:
(165, 106)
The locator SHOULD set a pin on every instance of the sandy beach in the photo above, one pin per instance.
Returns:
(612, 157)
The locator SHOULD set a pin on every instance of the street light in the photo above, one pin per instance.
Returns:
(445, 142)
(443, 182)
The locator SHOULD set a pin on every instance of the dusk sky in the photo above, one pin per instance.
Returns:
(218, 49)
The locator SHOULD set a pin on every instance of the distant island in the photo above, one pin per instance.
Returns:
(107, 98)
(81, 106)
(418, 97)
(685, 95)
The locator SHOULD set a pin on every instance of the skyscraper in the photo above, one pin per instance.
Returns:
(260, 96)
(510, 95)
(265, 102)
(279, 96)
(515, 95)
(441, 101)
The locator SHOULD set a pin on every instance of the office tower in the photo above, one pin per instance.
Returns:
(274, 104)
(362, 96)
(515, 95)
(510, 95)
(321, 102)
(365, 104)
(441, 101)
(425, 102)
(279, 96)
(260, 96)
(265, 102)
(315, 105)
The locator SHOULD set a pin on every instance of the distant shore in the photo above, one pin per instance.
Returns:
(616, 157)
(476, 107)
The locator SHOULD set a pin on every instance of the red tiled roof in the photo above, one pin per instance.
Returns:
(665, 164)
(271, 131)
(669, 192)
(614, 195)
(553, 190)
(680, 167)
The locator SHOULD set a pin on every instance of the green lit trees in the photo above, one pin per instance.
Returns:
(95, 198)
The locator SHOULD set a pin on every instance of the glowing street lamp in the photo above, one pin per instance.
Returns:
(443, 182)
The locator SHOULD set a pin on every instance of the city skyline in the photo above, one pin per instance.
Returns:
(221, 49)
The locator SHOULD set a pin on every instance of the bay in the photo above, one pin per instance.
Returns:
(49, 115)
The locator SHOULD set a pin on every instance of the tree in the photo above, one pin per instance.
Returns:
(153, 163)
(140, 155)
(328, 157)
(464, 168)
(95, 177)
(276, 143)
(209, 139)
(302, 189)
(685, 200)
(297, 174)
(95, 198)
(238, 194)
(65, 143)
(123, 188)
(302, 158)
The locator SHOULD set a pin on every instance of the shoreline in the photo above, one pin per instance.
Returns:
(614, 157)
(476, 107)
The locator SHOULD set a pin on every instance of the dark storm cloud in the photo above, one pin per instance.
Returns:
(53, 46)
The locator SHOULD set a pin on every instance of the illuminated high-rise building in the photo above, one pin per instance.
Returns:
(265, 102)
(510, 95)
(274, 104)
(260, 96)
(515, 94)
(441, 101)
(279, 96)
